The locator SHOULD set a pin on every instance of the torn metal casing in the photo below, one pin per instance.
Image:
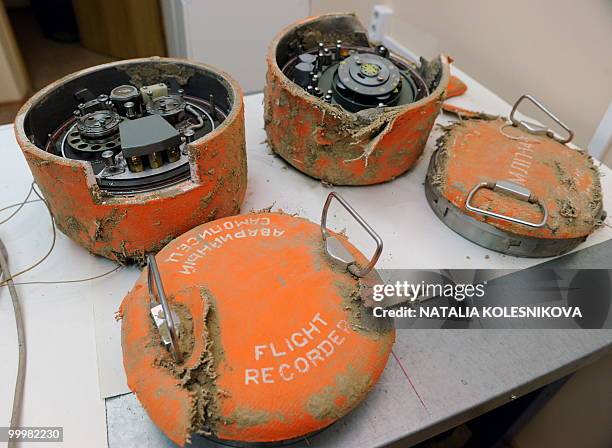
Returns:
(125, 227)
(513, 189)
(329, 143)
(314, 364)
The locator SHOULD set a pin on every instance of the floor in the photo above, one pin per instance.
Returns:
(46, 60)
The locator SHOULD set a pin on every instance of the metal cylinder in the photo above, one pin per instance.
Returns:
(155, 160)
(327, 57)
(108, 157)
(383, 51)
(130, 109)
(174, 154)
(308, 58)
(135, 164)
(301, 74)
(213, 108)
(338, 49)
(189, 135)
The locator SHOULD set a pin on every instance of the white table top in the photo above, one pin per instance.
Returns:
(73, 341)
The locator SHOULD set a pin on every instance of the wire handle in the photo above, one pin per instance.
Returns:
(154, 282)
(336, 250)
(536, 129)
(514, 190)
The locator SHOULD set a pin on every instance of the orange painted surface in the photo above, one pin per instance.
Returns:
(456, 87)
(554, 173)
(292, 362)
(460, 111)
(312, 135)
(123, 228)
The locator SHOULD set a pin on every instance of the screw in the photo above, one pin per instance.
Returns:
(129, 109)
(109, 158)
(213, 110)
(189, 135)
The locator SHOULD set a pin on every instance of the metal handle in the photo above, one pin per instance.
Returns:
(154, 281)
(336, 250)
(514, 190)
(536, 129)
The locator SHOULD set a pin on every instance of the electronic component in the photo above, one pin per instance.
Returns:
(171, 107)
(149, 93)
(344, 110)
(122, 152)
(126, 95)
(145, 129)
(356, 78)
(147, 138)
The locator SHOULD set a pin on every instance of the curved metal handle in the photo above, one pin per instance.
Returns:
(514, 190)
(154, 281)
(536, 129)
(336, 249)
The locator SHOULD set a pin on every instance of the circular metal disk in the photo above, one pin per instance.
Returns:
(98, 124)
(95, 132)
(563, 179)
(369, 74)
(166, 106)
(124, 93)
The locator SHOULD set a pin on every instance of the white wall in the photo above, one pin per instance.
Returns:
(558, 50)
(232, 35)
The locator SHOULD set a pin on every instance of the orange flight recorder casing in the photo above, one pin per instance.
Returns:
(514, 186)
(330, 143)
(125, 227)
(274, 338)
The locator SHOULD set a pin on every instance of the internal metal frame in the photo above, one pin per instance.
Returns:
(341, 75)
(82, 116)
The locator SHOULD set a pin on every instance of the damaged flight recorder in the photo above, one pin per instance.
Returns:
(210, 371)
(343, 110)
(133, 153)
(514, 186)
